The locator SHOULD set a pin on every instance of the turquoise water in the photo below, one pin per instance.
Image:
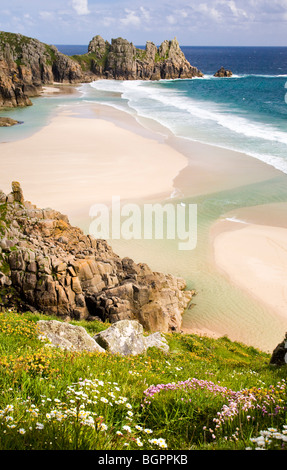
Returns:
(244, 113)
(247, 112)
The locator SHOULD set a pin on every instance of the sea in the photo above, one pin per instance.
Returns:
(247, 113)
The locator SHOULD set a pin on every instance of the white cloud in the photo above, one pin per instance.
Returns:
(131, 19)
(171, 19)
(208, 11)
(46, 15)
(145, 13)
(81, 7)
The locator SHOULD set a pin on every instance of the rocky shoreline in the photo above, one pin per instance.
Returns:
(27, 64)
(49, 266)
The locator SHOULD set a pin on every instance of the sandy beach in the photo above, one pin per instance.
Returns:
(89, 153)
(76, 162)
(253, 255)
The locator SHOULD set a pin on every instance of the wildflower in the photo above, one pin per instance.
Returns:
(22, 431)
(127, 428)
(162, 443)
(103, 427)
(9, 408)
(39, 426)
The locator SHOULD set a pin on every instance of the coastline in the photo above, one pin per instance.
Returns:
(121, 156)
(80, 159)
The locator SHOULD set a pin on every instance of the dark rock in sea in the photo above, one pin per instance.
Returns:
(8, 122)
(222, 72)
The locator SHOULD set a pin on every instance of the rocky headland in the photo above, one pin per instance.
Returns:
(49, 266)
(27, 64)
(122, 60)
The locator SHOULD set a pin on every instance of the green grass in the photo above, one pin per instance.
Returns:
(89, 60)
(204, 394)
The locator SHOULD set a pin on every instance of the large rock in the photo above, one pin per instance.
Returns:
(7, 122)
(222, 72)
(126, 337)
(122, 60)
(67, 336)
(58, 270)
(279, 355)
(26, 64)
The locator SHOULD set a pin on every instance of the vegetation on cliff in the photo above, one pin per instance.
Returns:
(122, 60)
(205, 393)
(27, 64)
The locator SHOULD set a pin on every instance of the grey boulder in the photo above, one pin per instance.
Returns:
(126, 337)
(67, 336)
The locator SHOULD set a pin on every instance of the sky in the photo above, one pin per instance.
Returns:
(192, 22)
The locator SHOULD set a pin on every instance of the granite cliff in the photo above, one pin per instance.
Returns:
(122, 60)
(27, 64)
(50, 266)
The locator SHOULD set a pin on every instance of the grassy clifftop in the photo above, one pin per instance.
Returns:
(205, 394)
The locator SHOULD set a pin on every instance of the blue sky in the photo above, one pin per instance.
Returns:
(193, 22)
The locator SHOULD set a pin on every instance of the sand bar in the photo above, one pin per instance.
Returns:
(89, 153)
(254, 257)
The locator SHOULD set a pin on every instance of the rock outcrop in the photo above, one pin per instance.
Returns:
(67, 336)
(122, 60)
(223, 73)
(125, 338)
(50, 266)
(8, 122)
(26, 64)
(279, 355)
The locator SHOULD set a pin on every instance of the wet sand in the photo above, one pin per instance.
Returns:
(253, 255)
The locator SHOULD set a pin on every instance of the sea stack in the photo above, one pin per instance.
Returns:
(222, 72)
